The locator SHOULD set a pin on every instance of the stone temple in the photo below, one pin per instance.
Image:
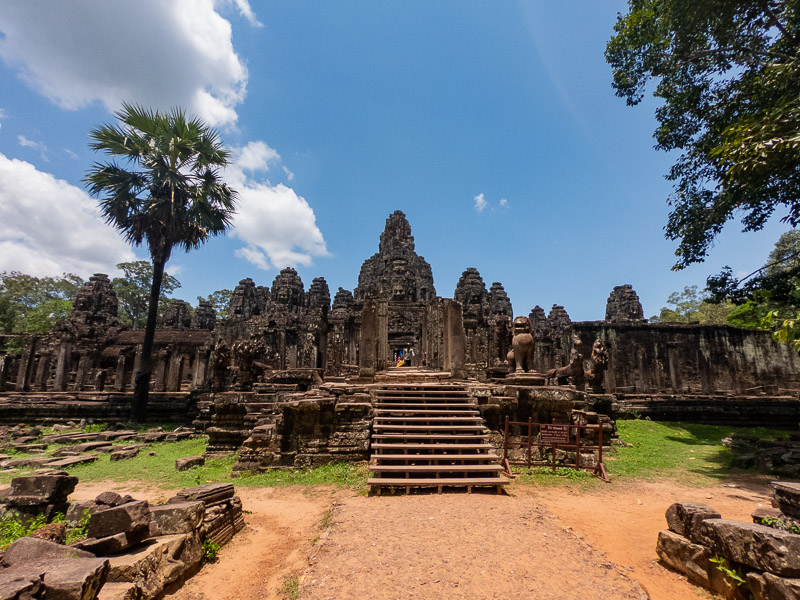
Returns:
(297, 375)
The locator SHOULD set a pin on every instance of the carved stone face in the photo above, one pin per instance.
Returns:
(522, 325)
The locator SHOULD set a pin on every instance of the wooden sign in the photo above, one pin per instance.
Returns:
(554, 434)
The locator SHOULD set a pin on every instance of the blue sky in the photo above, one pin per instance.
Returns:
(493, 126)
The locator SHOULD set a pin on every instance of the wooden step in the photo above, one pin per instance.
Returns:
(428, 482)
(436, 468)
(413, 428)
(397, 446)
(429, 436)
(417, 457)
(458, 420)
(423, 406)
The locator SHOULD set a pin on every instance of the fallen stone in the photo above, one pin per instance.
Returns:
(123, 454)
(125, 518)
(158, 563)
(30, 461)
(756, 546)
(787, 496)
(683, 517)
(41, 489)
(766, 586)
(77, 511)
(693, 561)
(168, 519)
(112, 544)
(71, 461)
(109, 499)
(20, 586)
(26, 550)
(74, 578)
(208, 494)
(120, 591)
(184, 464)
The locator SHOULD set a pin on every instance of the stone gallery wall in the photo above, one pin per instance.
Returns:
(676, 357)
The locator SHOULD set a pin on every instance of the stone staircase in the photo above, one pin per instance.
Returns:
(430, 435)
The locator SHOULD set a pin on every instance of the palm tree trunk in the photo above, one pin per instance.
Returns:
(141, 388)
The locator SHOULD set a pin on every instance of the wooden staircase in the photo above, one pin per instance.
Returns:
(430, 435)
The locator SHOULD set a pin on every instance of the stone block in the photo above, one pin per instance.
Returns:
(20, 586)
(109, 499)
(26, 550)
(123, 454)
(168, 519)
(184, 464)
(113, 544)
(41, 489)
(683, 517)
(766, 586)
(120, 591)
(157, 564)
(787, 496)
(757, 546)
(63, 579)
(125, 518)
(693, 561)
(71, 461)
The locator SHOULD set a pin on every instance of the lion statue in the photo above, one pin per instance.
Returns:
(520, 359)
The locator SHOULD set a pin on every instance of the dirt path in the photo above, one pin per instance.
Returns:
(624, 520)
(553, 542)
(457, 546)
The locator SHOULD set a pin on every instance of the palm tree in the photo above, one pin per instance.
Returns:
(168, 193)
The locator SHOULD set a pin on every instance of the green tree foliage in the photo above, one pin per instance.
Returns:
(690, 306)
(220, 300)
(727, 75)
(168, 193)
(35, 304)
(133, 291)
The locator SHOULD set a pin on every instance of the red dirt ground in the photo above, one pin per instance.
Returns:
(538, 542)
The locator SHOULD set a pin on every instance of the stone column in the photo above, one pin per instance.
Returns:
(200, 375)
(84, 366)
(62, 367)
(5, 371)
(121, 377)
(162, 368)
(42, 373)
(137, 363)
(25, 373)
(369, 340)
(175, 373)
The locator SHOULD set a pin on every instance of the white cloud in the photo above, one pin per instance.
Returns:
(289, 174)
(38, 146)
(277, 225)
(151, 52)
(255, 156)
(70, 153)
(503, 202)
(3, 115)
(480, 202)
(247, 12)
(48, 226)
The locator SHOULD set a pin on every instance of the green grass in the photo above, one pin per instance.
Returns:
(290, 590)
(692, 453)
(160, 470)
